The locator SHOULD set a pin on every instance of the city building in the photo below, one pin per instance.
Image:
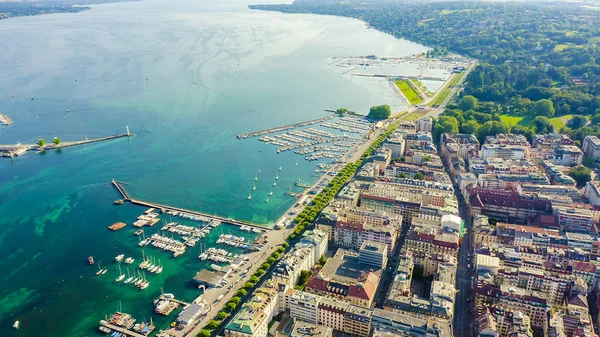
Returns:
(424, 124)
(357, 321)
(592, 192)
(591, 147)
(302, 305)
(304, 329)
(506, 206)
(344, 277)
(373, 254)
(568, 155)
(252, 320)
(331, 312)
(573, 219)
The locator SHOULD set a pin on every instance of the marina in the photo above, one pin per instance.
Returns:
(123, 323)
(316, 144)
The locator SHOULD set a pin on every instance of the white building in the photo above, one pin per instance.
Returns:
(591, 147)
(302, 305)
(592, 192)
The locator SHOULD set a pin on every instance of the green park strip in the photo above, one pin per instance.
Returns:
(409, 92)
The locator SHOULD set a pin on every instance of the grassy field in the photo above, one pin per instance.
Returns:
(561, 47)
(595, 39)
(410, 93)
(557, 122)
(412, 116)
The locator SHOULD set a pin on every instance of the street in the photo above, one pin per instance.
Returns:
(463, 312)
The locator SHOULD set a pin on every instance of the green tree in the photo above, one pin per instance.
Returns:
(254, 279)
(203, 333)
(380, 112)
(418, 176)
(467, 103)
(577, 122)
(444, 124)
(213, 324)
(469, 127)
(581, 174)
(235, 300)
(221, 315)
(322, 260)
(541, 125)
(241, 293)
(403, 175)
(491, 128)
(544, 107)
(342, 111)
(41, 143)
(229, 307)
(56, 141)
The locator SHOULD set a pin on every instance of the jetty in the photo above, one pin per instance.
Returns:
(284, 127)
(10, 151)
(167, 208)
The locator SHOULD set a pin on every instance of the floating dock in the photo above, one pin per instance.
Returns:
(120, 329)
(116, 226)
(283, 128)
(166, 208)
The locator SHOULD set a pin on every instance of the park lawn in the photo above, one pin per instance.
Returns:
(439, 99)
(424, 21)
(450, 11)
(595, 39)
(410, 93)
(557, 122)
(455, 79)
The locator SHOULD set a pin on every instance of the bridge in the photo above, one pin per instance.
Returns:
(167, 208)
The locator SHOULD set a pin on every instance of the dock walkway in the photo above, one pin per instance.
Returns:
(120, 329)
(166, 208)
(283, 128)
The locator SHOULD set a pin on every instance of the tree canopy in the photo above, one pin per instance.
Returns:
(380, 112)
(581, 174)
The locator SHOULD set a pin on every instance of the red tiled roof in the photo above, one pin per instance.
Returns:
(584, 267)
(348, 226)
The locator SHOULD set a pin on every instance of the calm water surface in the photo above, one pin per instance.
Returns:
(186, 77)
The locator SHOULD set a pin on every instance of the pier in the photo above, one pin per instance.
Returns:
(120, 329)
(283, 128)
(18, 149)
(166, 208)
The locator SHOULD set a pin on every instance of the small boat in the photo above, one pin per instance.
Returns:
(296, 164)
(119, 257)
(129, 279)
(275, 184)
(90, 259)
(280, 168)
(271, 193)
(16, 325)
(267, 199)
(276, 177)
(119, 202)
(249, 196)
(121, 276)
(254, 188)
(256, 178)
(101, 271)
(145, 285)
(129, 260)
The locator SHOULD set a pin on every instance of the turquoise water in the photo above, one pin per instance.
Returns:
(186, 77)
